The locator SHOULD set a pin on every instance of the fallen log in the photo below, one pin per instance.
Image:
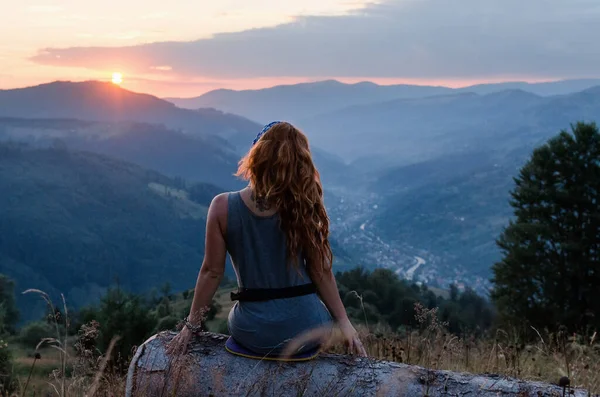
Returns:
(209, 370)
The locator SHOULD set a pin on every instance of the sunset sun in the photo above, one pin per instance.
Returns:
(117, 78)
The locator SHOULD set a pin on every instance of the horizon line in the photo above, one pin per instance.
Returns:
(348, 81)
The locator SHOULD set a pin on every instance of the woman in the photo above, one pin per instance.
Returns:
(276, 233)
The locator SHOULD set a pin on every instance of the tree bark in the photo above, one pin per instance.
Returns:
(209, 370)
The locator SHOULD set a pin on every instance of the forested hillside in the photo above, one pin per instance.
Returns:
(75, 223)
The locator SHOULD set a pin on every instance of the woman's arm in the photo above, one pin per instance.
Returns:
(211, 272)
(213, 267)
(328, 291)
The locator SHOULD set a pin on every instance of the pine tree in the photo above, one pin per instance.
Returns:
(550, 271)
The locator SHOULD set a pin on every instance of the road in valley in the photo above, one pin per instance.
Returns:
(410, 273)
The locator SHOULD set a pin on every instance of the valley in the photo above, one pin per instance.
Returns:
(416, 180)
(352, 225)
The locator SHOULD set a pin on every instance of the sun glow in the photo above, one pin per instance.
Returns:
(117, 78)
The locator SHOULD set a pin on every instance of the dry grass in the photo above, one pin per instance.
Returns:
(548, 360)
(543, 361)
(430, 346)
(77, 371)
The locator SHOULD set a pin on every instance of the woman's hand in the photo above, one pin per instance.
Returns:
(351, 339)
(179, 344)
(329, 293)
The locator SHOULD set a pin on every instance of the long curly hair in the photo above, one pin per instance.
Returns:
(281, 172)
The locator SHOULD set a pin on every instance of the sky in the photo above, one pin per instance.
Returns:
(185, 48)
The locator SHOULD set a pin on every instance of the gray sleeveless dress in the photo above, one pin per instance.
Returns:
(257, 248)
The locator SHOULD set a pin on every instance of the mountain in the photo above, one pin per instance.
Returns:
(300, 101)
(415, 130)
(441, 169)
(210, 159)
(75, 223)
(566, 109)
(293, 102)
(451, 208)
(199, 145)
(551, 88)
(195, 158)
(438, 173)
(98, 101)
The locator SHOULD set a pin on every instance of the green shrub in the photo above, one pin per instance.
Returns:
(8, 381)
(31, 334)
(168, 323)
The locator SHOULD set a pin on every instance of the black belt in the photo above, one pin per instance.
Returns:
(265, 294)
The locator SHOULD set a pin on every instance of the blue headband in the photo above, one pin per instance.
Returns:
(265, 129)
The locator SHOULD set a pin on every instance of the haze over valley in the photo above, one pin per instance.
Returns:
(417, 183)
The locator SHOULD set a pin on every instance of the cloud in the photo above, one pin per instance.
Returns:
(393, 39)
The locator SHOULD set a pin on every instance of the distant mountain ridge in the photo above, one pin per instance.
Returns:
(173, 153)
(179, 134)
(299, 101)
(99, 101)
(200, 145)
(418, 129)
(209, 159)
(291, 102)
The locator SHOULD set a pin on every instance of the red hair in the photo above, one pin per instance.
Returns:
(280, 170)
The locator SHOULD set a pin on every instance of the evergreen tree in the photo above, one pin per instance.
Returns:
(9, 314)
(383, 298)
(549, 274)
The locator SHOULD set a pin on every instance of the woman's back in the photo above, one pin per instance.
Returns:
(278, 300)
(258, 250)
(257, 247)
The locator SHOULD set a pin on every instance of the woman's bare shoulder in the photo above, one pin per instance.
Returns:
(219, 203)
(218, 210)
